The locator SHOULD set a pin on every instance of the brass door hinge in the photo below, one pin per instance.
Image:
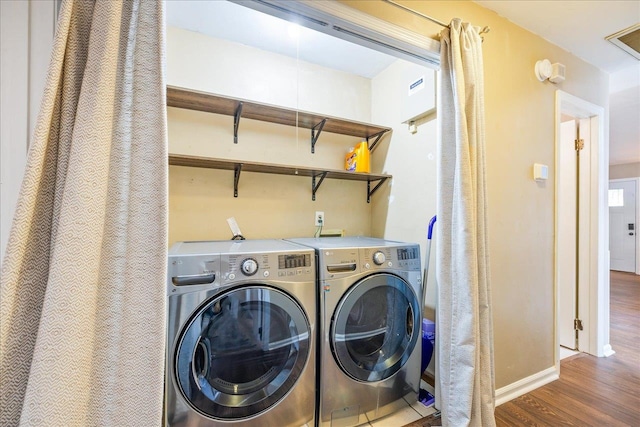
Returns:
(579, 144)
(577, 325)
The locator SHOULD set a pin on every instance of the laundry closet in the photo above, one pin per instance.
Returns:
(210, 49)
(259, 134)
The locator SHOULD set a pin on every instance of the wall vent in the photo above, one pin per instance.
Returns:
(627, 40)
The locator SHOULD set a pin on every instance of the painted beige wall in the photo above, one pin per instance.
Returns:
(627, 170)
(268, 206)
(519, 132)
(200, 62)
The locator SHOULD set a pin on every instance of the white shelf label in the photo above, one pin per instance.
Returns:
(416, 86)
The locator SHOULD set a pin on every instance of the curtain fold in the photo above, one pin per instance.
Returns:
(464, 325)
(82, 311)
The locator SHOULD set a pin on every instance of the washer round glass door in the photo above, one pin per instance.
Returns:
(375, 327)
(242, 352)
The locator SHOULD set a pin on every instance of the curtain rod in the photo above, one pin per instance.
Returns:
(415, 12)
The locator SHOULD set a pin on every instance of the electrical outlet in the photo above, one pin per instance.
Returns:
(319, 219)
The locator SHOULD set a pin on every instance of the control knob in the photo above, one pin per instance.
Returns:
(249, 267)
(379, 258)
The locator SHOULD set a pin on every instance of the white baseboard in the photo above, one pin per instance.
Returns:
(525, 385)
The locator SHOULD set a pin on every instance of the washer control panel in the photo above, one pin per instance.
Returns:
(249, 267)
(379, 258)
(277, 266)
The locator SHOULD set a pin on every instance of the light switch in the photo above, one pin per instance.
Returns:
(540, 172)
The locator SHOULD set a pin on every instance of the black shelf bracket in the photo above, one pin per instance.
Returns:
(370, 191)
(314, 186)
(315, 133)
(377, 136)
(236, 123)
(236, 178)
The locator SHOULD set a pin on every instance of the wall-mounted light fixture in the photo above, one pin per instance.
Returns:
(546, 70)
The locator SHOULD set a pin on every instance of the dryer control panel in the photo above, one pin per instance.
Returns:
(404, 258)
(409, 257)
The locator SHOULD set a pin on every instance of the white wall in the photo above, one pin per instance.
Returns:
(403, 208)
(26, 38)
(268, 206)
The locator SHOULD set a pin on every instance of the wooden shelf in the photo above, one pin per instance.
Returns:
(239, 108)
(202, 101)
(317, 175)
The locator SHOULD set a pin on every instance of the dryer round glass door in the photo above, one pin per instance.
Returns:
(241, 352)
(375, 327)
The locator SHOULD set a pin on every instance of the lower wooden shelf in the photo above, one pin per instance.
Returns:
(317, 175)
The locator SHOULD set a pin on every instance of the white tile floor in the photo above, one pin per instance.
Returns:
(406, 415)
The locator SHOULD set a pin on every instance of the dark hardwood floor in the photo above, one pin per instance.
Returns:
(591, 391)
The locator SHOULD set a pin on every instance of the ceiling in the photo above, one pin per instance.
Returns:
(579, 27)
(240, 24)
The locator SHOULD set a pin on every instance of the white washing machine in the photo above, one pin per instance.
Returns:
(241, 334)
(370, 293)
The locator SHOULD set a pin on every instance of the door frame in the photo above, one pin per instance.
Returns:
(637, 217)
(596, 307)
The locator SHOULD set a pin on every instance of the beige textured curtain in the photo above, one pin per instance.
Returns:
(82, 285)
(465, 331)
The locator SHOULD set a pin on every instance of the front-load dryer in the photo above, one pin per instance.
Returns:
(370, 294)
(241, 334)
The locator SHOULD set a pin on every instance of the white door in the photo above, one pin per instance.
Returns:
(622, 225)
(573, 230)
(567, 235)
